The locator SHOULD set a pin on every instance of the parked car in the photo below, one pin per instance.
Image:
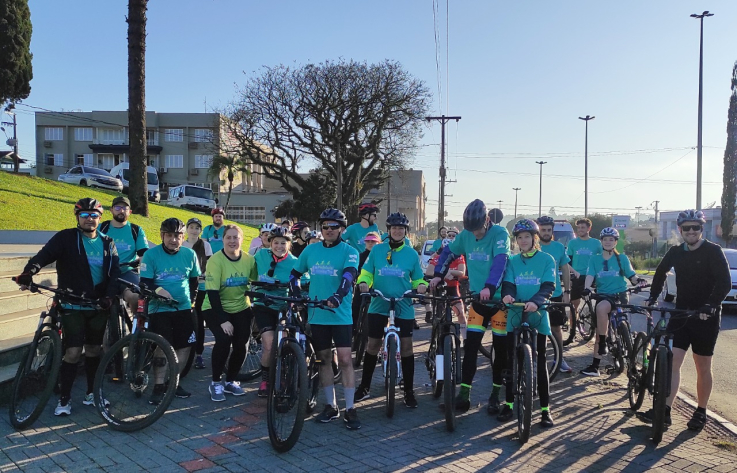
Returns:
(199, 199)
(669, 289)
(122, 172)
(91, 177)
(563, 232)
(426, 254)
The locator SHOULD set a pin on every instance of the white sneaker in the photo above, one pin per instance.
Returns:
(89, 400)
(234, 388)
(64, 410)
(564, 368)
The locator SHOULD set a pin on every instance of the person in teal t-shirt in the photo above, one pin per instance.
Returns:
(530, 279)
(610, 270)
(486, 249)
(355, 233)
(213, 234)
(333, 266)
(391, 268)
(438, 243)
(580, 250)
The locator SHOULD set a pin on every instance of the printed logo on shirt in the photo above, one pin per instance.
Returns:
(501, 243)
(95, 259)
(353, 258)
(323, 269)
(236, 280)
(171, 274)
(478, 254)
(192, 338)
(610, 274)
(122, 245)
(389, 271)
(584, 251)
(527, 279)
(265, 278)
(143, 267)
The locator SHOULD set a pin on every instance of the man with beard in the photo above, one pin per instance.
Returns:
(213, 234)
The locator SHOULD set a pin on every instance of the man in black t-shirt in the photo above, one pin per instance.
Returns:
(702, 282)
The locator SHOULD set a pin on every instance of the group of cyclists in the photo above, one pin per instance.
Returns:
(207, 270)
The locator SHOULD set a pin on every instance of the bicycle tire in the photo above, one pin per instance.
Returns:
(361, 335)
(390, 382)
(431, 365)
(524, 392)
(313, 383)
(557, 351)
(449, 383)
(625, 337)
(660, 394)
(129, 408)
(635, 386)
(288, 374)
(569, 329)
(586, 323)
(35, 379)
(251, 367)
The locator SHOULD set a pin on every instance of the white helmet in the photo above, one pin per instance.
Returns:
(268, 227)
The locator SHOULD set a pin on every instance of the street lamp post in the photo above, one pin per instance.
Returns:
(701, 80)
(540, 202)
(515, 189)
(637, 216)
(586, 167)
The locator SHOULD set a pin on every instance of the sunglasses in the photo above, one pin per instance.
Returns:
(331, 226)
(92, 215)
(606, 265)
(696, 228)
(118, 208)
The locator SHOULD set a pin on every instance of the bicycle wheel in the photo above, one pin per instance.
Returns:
(431, 364)
(390, 382)
(449, 382)
(586, 323)
(485, 348)
(661, 393)
(524, 393)
(35, 379)
(554, 352)
(313, 382)
(625, 344)
(569, 328)
(636, 372)
(287, 401)
(361, 337)
(148, 359)
(251, 367)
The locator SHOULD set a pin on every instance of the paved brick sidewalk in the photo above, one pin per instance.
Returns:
(594, 432)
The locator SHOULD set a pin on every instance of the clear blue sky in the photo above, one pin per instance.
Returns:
(518, 73)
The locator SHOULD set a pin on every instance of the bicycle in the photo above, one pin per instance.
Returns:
(38, 371)
(651, 362)
(146, 359)
(360, 338)
(251, 368)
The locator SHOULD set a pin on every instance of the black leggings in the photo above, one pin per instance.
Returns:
(543, 383)
(471, 354)
(241, 331)
(200, 327)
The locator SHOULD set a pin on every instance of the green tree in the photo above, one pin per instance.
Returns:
(138, 189)
(230, 165)
(598, 223)
(16, 70)
(730, 164)
(318, 193)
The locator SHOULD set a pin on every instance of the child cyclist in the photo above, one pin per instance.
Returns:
(610, 270)
(457, 270)
(530, 279)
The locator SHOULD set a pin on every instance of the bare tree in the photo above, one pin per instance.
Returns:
(370, 115)
(730, 164)
(138, 188)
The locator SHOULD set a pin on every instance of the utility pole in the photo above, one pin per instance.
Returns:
(500, 204)
(515, 189)
(14, 141)
(540, 203)
(586, 167)
(701, 81)
(637, 216)
(441, 197)
(657, 230)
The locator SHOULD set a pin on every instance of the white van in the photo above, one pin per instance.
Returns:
(122, 172)
(199, 199)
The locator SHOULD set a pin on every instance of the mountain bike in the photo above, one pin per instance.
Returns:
(251, 368)
(125, 399)
(360, 338)
(39, 368)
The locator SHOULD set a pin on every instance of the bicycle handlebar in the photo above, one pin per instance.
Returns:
(293, 300)
(409, 294)
(145, 292)
(65, 295)
(270, 285)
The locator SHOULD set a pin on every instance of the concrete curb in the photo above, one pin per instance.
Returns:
(727, 425)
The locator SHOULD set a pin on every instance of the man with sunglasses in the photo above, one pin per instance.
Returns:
(86, 265)
(213, 234)
(355, 233)
(702, 282)
(333, 267)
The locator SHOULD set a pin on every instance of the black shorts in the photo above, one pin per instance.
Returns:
(266, 317)
(177, 327)
(323, 336)
(377, 323)
(83, 327)
(557, 314)
(621, 298)
(577, 286)
(700, 335)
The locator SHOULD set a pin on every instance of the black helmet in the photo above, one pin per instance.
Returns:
(335, 215)
(299, 226)
(496, 215)
(367, 208)
(88, 204)
(545, 220)
(280, 232)
(474, 217)
(172, 225)
(397, 219)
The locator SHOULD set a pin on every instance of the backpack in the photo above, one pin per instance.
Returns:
(135, 229)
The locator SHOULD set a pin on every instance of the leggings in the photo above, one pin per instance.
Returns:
(241, 332)
(471, 354)
(543, 383)
(200, 327)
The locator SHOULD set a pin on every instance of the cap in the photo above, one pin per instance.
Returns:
(194, 220)
(121, 200)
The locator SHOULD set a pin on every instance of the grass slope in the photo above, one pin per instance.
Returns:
(32, 203)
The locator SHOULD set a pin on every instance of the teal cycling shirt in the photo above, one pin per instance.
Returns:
(325, 266)
(607, 273)
(281, 272)
(480, 255)
(436, 245)
(126, 245)
(580, 251)
(214, 236)
(171, 272)
(94, 249)
(528, 274)
(558, 252)
(393, 280)
(355, 234)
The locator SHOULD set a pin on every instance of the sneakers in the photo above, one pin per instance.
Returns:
(351, 419)
(462, 404)
(330, 413)
(697, 422)
(590, 371)
(546, 420)
(362, 393)
(158, 395)
(181, 393)
(263, 389)
(564, 368)
(649, 415)
(199, 363)
(409, 399)
(89, 400)
(493, 407)
(234, 388)
(64, 409)
(417, 326)
(217, 391)
(506, 414)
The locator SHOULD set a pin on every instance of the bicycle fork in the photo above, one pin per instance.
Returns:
(391, 333)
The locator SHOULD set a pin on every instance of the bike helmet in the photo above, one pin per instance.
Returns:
(525, 225)
(367, 208)
(217, 210)
(172, 225)
(280, 232)
(474, 217)
(545, 220)
(496, 215)
(452, 230)
(609, 232)
(88, 204)
(397, 219)
(691, 216)
(313, 234)
(267, 227)
(446, 242)
(335, 215)
(298, 227)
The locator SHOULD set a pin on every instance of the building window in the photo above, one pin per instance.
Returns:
(203, 135)
(58, 159)
(174, 161)
(106, 161)
(83, 134)
(245, 214)
(174, 134)
(54, 134)
(111, 136)
(202, 161)
(84, 159)
(152, 137)
(54, 159)
(153, 161)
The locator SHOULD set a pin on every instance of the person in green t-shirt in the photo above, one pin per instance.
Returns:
(355, 233)
(580, 250)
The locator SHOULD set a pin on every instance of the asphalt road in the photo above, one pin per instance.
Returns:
(723, 399)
